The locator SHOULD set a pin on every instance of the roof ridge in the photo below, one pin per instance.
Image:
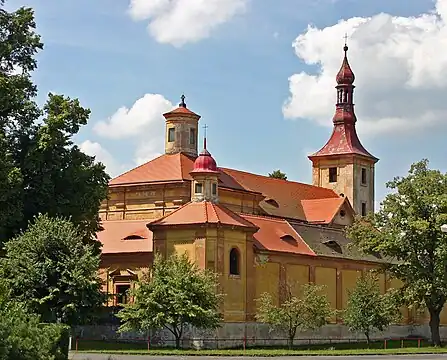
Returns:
(267, 217)
(206, 211)
(299, 236)
(215, 212)
(227, 211)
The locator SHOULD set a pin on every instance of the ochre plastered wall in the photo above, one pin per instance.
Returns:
(349, 179)
(152, 201)
(124, 266)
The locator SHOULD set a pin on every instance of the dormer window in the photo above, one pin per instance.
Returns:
(272, 202)
(171, 134)
(134, 237)
(192, 136)
(332, 174)
(198, 189)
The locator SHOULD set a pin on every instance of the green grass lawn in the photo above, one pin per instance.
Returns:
(393, 347)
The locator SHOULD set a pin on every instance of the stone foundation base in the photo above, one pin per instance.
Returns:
(231, 335)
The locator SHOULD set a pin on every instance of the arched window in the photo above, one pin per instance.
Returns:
(234, 262)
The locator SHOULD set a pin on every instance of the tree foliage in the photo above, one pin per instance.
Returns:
(277, 174)
(177, 293)
(407, 230)
(52, 271)
(22, 336)
(41, 169)
(303, 307)
(367, 309)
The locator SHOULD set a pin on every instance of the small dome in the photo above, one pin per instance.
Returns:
(205, 163)
(345, 75)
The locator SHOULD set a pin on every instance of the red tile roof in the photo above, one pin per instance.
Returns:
(203, 212)
(344, 140)
(287, 194)
(165, 168)
(125, 236)
(277, 235)
(322, 210)
(180, 110)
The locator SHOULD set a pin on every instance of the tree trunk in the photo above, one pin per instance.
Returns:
(368, 341)
(177, 341)
(292, 333)
(434, 327)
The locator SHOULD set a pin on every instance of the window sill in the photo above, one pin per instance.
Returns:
(364, 184)
(236, 277)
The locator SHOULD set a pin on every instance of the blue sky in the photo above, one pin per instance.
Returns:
(237, 77)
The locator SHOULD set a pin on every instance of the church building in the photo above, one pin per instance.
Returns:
(254, 231)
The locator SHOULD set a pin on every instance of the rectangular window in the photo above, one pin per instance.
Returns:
(363, 176)
(192, 136)
(214, 188)
(122, 295)
(171, 134)
(332, 174)
(198, 188)
(363, 208)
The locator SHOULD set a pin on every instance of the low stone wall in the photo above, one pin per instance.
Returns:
(231, 335)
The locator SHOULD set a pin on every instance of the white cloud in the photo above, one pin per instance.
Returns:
(178, 22)
(95, 149)
(400, 65)
(142, 119)
(143, 122)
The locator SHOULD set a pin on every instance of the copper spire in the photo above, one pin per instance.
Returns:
(345, 74)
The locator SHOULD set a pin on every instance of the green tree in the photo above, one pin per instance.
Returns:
(277, 174)
(42, 170)
(53, 272)
(303, 307)
(176, 293)
(407, 231)
(22, 336)
(367, 309)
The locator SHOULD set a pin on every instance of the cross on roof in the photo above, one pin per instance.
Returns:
(182, 98)
(346, 38)
(204, 135)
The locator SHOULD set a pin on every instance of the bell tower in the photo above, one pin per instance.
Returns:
(343, 164)
(181, 130)
(205, 184)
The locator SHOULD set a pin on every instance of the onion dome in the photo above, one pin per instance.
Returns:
(205, 163)
(345, 75)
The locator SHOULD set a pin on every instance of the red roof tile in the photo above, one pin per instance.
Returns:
(180, 110)
(287, 194)
(322, 210)
(203, 212)
(175, 167)
(343, 141)
(125, 236)
(277, 235)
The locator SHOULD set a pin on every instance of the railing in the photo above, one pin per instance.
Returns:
(150, 343)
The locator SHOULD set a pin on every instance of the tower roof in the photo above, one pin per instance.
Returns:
(205, 163)
(344, 139)
(345, 75)
(181, 110)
